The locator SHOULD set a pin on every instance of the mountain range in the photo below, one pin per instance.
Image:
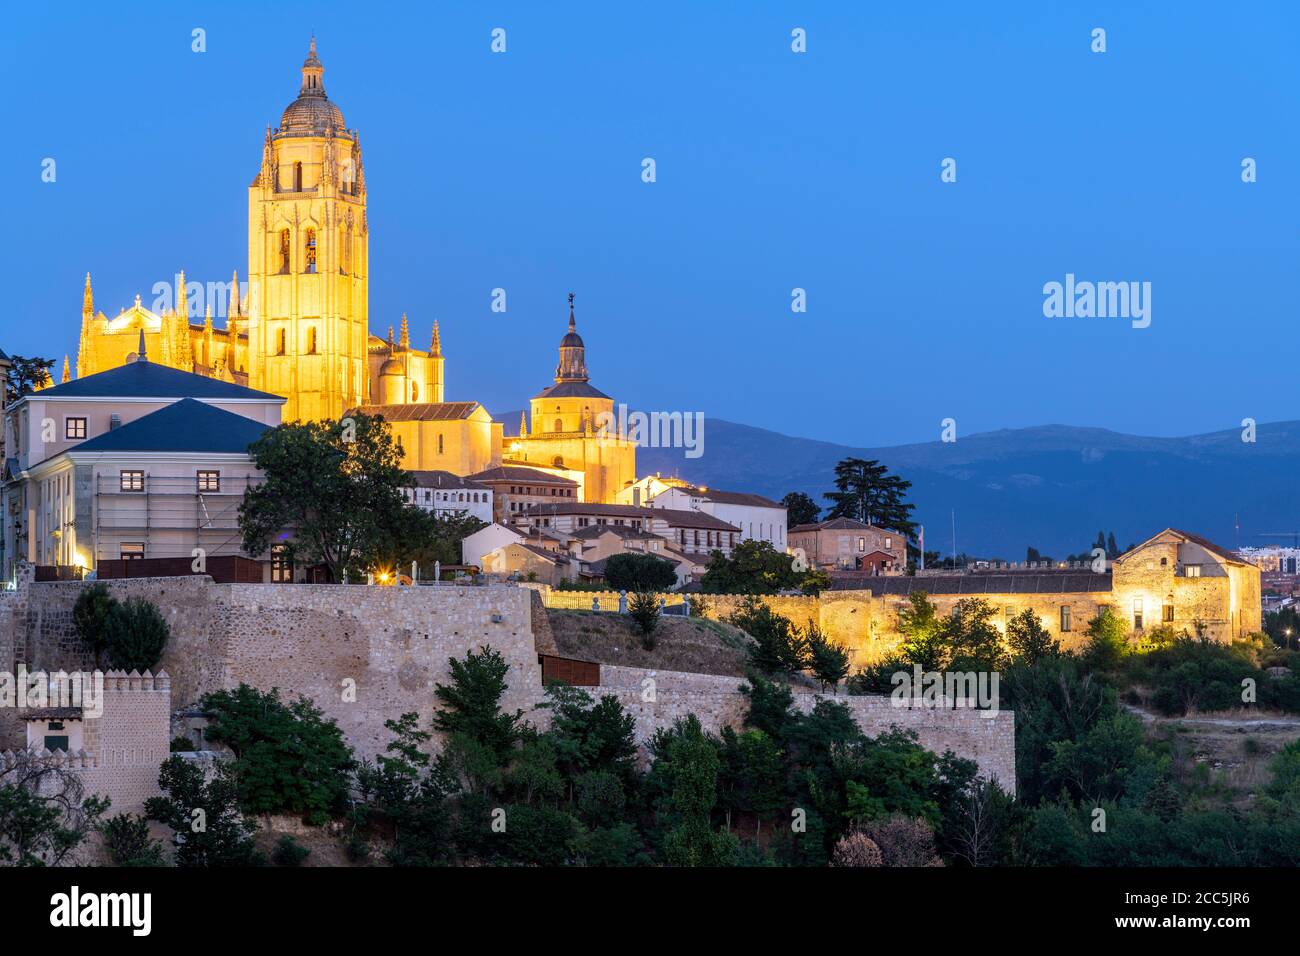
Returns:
(1052, 487)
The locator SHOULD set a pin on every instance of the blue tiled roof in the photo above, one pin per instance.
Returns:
(149, 380)
(184, 426)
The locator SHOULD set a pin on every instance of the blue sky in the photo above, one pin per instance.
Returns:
(775, 170)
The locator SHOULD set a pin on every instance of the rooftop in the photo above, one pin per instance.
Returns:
(184, 426)
(145, 379)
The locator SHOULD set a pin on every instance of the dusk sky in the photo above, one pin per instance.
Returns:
(775, 170)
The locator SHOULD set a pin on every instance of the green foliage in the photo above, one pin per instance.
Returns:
(632, 571)
(127, 841)
(643, 607)
(756, 567)
(90, 616)
(43, 816)
(1107, 641)
(401, 793)
(471, 705)
(210, 828)
(135, 634)
(779, 646)
(828, 661)
(25, 375)
(289, 852)
(1028, 639)
(692, 772)
(1195, 673)
(867, 492)
(799, 509)
(334, 488)
(289, 758)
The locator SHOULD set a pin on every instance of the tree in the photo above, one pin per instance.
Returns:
(90, 616)
(205, 815)
(401, 789)
(755, 567)
(44, 815)
(799, 509)
(26, 375)
(644, 609)
(332, 494)
(1028, 639)
(1107, 640)
(135, 634)
(779, 648)
(471, 704)
(289, 758)
(865, 491)
(631, 571)
(828, 661)
(127, 841)
(693, 766)
(903, 841)
(1112, 549)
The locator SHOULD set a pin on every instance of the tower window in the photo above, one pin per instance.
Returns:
(415, 392)
(559, 425)
(310, 248)
(279, 341)
(297, 177)
(284, 252)
(311, 340)
(439, 444)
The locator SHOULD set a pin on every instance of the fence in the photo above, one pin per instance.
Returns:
(223, 569)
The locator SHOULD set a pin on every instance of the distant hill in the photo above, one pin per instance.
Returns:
(1052, 486)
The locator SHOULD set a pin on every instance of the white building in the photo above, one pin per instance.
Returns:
(444, 493)
(484, 541)
(758, 518)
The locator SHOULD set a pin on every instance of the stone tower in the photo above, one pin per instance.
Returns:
(307, 259)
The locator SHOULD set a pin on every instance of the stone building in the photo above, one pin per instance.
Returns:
(843, 544)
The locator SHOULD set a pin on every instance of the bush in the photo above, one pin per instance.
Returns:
(134, 636)
(644, 608)
(856, 849)
(90, 615)
(639, 572)
(779, 647)
(182, 745)
(289, 852)
(127, 841)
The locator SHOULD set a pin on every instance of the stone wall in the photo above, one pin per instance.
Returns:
(656, 699)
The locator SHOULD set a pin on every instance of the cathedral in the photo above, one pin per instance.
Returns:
(302, 331)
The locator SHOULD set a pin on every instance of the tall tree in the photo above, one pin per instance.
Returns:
(25, 376)
(799, 509)
(866, 491)
(332, 495)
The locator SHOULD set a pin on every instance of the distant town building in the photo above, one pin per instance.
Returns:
(846, 544)
(441, 492)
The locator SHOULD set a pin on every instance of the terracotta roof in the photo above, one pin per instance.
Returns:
(588, 508)
(53, 713)
(443, 479)
(839, 524)
(678, 518)
(733, 497)
(622, 530)
(1211, 547)
(421, 411)
(516, 473)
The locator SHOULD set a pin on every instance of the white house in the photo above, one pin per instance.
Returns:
(757, 517)
(486, 540)
(444, 493)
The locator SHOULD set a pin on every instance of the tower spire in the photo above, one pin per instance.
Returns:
(87, 300)
(312, 71)
(232, 309)
(405, 341)
(435, 346)
(572, 324)
(182, 300)
(67, 370)
(141, 354)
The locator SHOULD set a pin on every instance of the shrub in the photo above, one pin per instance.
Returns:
(856, 849)
(903, 841)
(90, 615)
(644, 609)
(135, 635)
(639, 572)
(182, 745)
(289, 852)
(127, 841)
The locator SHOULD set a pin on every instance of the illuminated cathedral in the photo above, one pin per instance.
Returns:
(302, 330)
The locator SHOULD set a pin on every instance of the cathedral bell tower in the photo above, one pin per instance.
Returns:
(307, 259)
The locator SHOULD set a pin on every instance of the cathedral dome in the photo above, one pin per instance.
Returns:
(392, 367)
(312, 112)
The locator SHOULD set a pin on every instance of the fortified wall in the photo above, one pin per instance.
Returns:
(365, 655)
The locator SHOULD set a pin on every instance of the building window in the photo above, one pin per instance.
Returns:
(131, 480)
(311, 340)
(1164, 562)
(439, 444)
(297, 177)
(284, 252)
(1191, 570)
(209, 481)
(281, 566)
(131, 551)
(279, 341)
(1067, 620)
(55, 742)
(74, 429)
(889, 543)
(1137, 614)
(559, 425)
(310, 248)
(415, 392)
(862, 542)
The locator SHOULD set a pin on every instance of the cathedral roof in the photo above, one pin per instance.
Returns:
(150, 380)
(312, 112)
(184, 426)
(422, 411)
(571, 390)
